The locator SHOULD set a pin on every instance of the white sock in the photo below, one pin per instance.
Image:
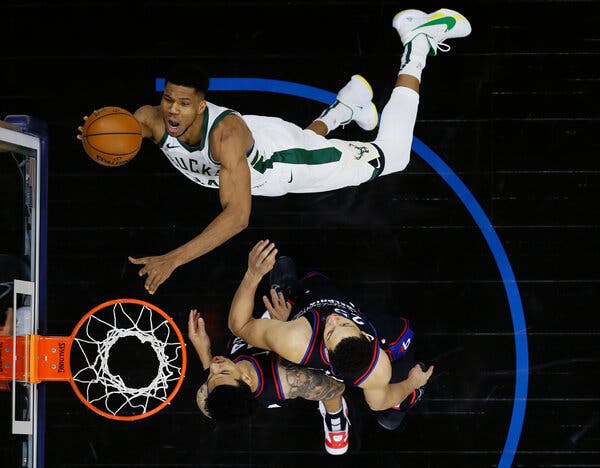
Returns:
(414, 57)
(335, 115)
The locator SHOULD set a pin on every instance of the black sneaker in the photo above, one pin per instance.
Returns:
(284, 276)
(392, 418)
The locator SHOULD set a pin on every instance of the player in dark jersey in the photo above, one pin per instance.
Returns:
(248, 377)
(329, 332)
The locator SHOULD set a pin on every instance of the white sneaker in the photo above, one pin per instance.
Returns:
(437, 27)
(357, 95)
(336, 442)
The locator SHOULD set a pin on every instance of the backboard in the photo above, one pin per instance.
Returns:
(23, 182)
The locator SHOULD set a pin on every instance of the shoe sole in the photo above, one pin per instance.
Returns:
(366, 83)
(374, 110)
(336, 451)
(392, 427)
(453, 13)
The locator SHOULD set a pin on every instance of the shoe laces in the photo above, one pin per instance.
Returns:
(437, 45)
(343, 124)
(442, 46)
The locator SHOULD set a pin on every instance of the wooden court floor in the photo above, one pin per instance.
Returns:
(488, 241)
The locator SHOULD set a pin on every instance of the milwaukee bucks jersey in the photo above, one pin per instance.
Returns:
(283, 159)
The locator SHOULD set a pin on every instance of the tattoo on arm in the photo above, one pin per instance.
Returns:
(310, 384)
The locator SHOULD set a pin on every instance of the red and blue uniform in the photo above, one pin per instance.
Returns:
(269, 390)
(388, 334)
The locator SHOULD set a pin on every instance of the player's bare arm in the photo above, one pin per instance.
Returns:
(310, 384)
(230, 141)
(151, 120)
(241, 322)
(199, 338)
(284, 338)
(380, 394)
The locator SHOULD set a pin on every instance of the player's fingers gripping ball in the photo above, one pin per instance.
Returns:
(111, 136)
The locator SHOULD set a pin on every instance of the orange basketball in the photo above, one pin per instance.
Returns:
(111, 136)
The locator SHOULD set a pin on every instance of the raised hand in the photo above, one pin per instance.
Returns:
(157, 268)
(261, 258)
(419, 376)
(277, 306)
(199, 337)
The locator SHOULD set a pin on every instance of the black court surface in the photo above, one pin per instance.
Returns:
(488, 242)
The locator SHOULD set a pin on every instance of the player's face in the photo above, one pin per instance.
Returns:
(337, 328)
(223, 371)
(180, 107)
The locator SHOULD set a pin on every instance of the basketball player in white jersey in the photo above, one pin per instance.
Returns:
(245, 155)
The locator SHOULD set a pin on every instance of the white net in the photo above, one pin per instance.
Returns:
(110, 390)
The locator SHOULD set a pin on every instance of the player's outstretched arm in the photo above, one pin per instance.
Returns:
(229, 142)
(199, 338)
(381, 396)
(274, 335)
(151, 122)
(260, 261)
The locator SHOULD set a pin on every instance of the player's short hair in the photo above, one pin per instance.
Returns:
(352, 354)
(231, 403)
(190, 76)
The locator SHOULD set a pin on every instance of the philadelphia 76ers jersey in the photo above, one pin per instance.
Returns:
(269, 390)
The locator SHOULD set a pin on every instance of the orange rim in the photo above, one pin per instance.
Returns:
(183, 359)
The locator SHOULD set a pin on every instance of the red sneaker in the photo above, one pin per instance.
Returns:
(336, 441)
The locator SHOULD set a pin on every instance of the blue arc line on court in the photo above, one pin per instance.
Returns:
(468, 200)
(265, 85)
(510, 286)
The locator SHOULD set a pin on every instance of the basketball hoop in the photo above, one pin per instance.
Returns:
(125, 359)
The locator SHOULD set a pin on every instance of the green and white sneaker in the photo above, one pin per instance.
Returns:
(356, 97)
(437, 27)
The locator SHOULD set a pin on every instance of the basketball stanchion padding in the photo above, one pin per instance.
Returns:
(125, 359)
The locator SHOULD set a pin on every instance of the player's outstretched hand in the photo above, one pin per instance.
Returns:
(85, 117)
(277, 306)
(419, 376)
(261, 258)
(158, 269)
(80, 128)
(197, 334)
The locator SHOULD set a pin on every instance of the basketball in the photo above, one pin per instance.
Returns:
(111, 136)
